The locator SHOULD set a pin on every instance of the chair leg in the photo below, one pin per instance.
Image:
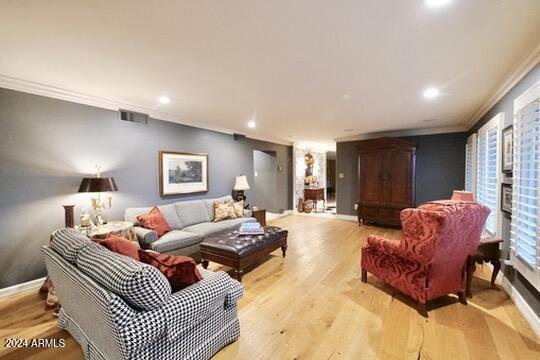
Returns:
(462, 297)
(422, 310)
(364, 276)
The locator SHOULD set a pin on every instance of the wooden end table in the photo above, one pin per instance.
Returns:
(260, 215)
(488, 251)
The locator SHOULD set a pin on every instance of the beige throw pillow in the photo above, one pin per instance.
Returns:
(239, 209)
(223, 211)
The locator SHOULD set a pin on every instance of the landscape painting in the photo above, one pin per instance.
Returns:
(182, 173)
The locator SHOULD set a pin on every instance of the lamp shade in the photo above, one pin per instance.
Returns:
(241, 183)
(463, 195)
(98, 184)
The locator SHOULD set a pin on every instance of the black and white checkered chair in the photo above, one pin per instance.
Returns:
(119, 308)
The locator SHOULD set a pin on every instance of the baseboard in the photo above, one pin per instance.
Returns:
(522, 305)
(272, 216)
(347, 217)
(20, 288)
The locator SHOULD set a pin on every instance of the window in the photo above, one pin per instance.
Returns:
(525, 228)
(488, 170)
(470, 164)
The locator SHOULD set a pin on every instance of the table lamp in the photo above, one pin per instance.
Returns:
(98, 185)
(240, 185)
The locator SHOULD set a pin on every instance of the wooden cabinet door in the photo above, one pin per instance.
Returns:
(370, 171)
(398, 178)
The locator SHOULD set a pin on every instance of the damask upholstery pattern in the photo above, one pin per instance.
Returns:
(430, 260)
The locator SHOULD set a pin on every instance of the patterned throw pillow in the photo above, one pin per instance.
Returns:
(239, 209)
(224, 211)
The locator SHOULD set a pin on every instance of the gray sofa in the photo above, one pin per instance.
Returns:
(191, 222)
(119, 308)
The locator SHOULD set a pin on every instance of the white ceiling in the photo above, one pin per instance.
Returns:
(305, 70)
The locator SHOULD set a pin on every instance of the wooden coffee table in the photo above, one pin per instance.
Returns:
(240, 251)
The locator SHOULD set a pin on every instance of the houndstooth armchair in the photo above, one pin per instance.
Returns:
(119, 308)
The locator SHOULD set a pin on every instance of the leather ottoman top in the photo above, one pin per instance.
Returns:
(229, 242)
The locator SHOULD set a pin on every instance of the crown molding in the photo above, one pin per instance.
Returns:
(54, 92)
(402, 133)
(518, 73)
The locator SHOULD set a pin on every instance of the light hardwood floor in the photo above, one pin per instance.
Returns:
(312, 305)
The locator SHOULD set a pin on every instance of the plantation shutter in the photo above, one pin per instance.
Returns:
(486, 183)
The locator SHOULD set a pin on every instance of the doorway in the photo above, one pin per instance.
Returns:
(330, 182)
(265, 180)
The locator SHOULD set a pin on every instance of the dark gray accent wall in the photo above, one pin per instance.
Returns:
(48, 145)
(440, 169)
(506, 105)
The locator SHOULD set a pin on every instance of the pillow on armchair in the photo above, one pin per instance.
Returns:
(180, 271)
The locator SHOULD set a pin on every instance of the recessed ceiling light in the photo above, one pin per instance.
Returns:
(431, 93)
(429, 120)
(251, 124)
(164, 99)
(348, 130)
(347, 96)
(436, 3)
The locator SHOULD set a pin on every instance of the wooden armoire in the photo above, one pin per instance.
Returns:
(386, 173)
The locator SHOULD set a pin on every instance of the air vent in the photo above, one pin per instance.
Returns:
(133, 116)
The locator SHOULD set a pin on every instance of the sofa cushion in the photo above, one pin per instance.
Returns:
(175, 239)
(68, 242)
(207, 228)
(223, 211)
(180, 271)
(192, 212)
(155, 221)
(209, 203)
(142, 286)
(235, 222)
(168, 211)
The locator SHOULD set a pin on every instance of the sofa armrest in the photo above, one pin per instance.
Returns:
(388, 246)
(145, 236)
(188, 307)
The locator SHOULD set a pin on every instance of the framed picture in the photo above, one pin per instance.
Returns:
(182, 173)
(506, 198)
(508, 149)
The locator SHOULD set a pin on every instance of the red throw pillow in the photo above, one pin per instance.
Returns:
(181, 271)
(155, 221)
(120, 245)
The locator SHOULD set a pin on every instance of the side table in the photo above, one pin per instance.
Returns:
(123, 228)
(488, 251)
(260, 215)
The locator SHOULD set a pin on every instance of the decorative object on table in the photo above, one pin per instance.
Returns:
(241, 185)
(69, 219)
(260, 215)
(487, 251)
(506, 198)
(508, 149)
(239, 252)
(461, 195)
(122, 228)
(86, 220)
(300, 205)
(315, 194)
(182, 173)
(98, 185)
(308, 206)
(251, 228)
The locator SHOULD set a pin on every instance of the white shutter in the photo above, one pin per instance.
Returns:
(470, 164)
(488, 171)
(525, 227)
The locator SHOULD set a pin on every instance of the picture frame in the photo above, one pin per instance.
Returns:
(182, 173)
(506, 198)
(508, 149)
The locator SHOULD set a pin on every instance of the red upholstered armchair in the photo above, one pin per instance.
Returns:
(430, 260)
